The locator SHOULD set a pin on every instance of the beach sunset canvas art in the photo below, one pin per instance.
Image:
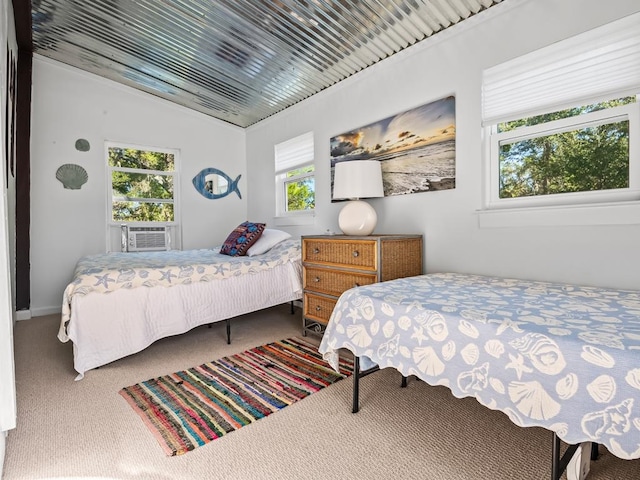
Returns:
(417, 148)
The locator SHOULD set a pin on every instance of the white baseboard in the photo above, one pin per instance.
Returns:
(23, 315)
(39, 312)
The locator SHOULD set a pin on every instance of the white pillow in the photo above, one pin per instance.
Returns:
(269, 239)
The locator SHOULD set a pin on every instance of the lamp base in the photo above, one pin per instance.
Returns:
(357, 218)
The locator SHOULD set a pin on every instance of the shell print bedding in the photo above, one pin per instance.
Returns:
(118, 304)
(562, 357)
(108, 272)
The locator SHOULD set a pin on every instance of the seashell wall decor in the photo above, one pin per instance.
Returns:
(72, 176)
(83, 145)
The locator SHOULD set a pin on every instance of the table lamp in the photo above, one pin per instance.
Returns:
(353, 180)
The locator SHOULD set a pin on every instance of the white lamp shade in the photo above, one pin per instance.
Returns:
(357, 179)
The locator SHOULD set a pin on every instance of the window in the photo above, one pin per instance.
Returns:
(579, 150)
(563, 123)
(295, 181)
(142, 184)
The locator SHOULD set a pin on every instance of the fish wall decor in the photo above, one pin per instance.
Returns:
(213, 183)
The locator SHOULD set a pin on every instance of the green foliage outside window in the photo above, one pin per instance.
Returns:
(301, 195)
(585, 159)
(301, 192)
(141, 196)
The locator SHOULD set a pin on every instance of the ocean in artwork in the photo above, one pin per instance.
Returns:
(416, 148)
(423, 169)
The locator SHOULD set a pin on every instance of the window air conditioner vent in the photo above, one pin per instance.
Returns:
(146, 239)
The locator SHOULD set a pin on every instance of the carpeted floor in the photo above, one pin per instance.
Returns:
(82, 430)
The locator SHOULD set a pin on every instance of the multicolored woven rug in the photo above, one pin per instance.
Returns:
(187, 409)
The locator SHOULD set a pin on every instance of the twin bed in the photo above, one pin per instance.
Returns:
(120, 303)
(562, 357)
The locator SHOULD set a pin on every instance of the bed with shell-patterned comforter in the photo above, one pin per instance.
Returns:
(120, 303)
(562, 357)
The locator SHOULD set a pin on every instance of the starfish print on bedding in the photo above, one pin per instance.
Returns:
(103, 280)
(167, 275)
(517, 363)
(221, 269)
(418, 334)
(353, 314)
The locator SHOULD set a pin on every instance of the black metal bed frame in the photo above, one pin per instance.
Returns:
(228, 322)
(558, 463)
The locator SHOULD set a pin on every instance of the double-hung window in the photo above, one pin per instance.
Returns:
(142, 184)
(295, 180)
(562, 124)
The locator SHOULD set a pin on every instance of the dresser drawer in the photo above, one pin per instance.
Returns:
(334, 282)
(318, 307)
(361, 254)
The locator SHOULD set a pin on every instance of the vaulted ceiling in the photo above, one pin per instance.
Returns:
(237, 60)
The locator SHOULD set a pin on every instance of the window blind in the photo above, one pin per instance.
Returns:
(293, 153)
(590, 67)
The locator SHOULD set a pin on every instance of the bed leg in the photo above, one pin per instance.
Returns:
(404, 382)
(559, 464)
(594, 451)
(292, 310)
(228, 331)
(356, 385)
(357, 375)
(555, 458)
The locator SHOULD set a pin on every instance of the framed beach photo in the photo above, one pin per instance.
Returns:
(417, 148)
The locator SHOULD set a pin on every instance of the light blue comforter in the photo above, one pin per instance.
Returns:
(562, 357)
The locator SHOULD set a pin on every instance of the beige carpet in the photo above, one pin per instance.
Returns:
(82, 430)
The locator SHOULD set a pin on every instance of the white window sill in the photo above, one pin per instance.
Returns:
(619, 213)
(292, 220)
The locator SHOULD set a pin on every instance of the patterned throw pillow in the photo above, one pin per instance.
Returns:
(242, 237)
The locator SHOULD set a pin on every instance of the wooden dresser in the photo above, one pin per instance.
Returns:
(332, 264)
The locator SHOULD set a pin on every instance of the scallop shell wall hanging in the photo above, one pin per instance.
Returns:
(72, 176)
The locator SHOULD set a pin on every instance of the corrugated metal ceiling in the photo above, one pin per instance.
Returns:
(237, 60)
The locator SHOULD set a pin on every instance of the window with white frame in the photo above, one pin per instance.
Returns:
(295, 180)
(563, 123)
(142, 184)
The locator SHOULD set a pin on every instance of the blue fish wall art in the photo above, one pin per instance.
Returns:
(213, 183)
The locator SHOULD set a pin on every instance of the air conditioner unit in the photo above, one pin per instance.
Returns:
(145, 239)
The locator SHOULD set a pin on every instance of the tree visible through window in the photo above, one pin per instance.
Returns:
(562, 123)
(573, 150)
(142, 184)
(300, 185)
(295, 175)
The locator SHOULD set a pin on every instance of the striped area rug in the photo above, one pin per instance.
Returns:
(187, 409)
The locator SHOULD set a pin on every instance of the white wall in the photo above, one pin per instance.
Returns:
(7, 236)
(65, 224)
(69, 104)
(451, 63)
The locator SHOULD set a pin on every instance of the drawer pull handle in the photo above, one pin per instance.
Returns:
(318, 308)
(317, 279)
(316, 250)
(356, 253)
